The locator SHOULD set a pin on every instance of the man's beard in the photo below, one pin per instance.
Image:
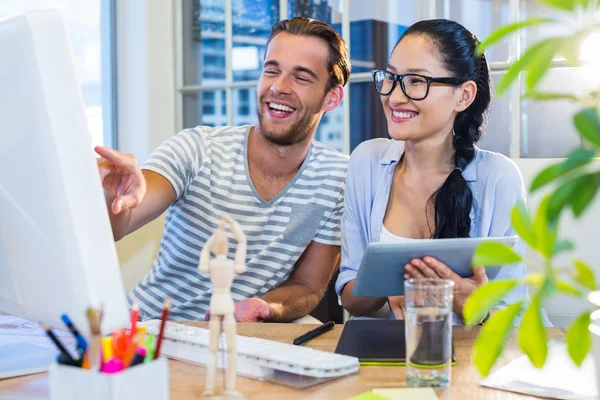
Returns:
(297, 132)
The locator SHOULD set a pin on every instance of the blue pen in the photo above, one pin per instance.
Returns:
(81, 343)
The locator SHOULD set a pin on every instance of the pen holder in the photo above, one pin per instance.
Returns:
(145, 381)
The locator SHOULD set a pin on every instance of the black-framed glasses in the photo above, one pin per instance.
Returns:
(414, 86)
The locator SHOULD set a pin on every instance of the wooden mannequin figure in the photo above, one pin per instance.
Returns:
(222, 308)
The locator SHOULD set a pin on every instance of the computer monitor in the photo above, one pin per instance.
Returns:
(57, 253)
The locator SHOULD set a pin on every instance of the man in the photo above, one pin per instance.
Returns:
(284, 189)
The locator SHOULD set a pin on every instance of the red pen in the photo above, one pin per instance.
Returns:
(135, 315)
(163, 322)
(119, 342)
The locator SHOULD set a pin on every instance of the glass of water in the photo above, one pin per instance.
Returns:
(428, 330)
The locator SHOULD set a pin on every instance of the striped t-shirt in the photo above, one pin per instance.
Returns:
(208, 168)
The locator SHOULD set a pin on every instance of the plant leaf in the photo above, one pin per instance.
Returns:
(568, 5)
(533, 338)
(491, 254)
(584, 194)
(564, 195)
(571, 47)
(567, 288)
(490, 342)
(552, 96)
(584, 274)
(577, 158)
(484, 298)
(522, 223)
(562, 245)
(541, 62)
(549, 288)
(544, 229)
(579, 338)
(522, 63)
(587, 123)
(536, 279)
(584, 3)
(506, 30)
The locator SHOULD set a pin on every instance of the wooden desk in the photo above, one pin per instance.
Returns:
(187, 381)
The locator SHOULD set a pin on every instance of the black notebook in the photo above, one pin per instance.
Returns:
(381, 342)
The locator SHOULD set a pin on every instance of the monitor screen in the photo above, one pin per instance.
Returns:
(57, 253)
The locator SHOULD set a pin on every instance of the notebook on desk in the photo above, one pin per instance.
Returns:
(379, 342)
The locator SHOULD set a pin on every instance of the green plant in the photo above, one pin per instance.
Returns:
(575, 184)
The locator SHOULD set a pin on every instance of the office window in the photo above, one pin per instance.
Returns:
(375, 27)
(498, 133)
(481, 17)
(533, 9)
(547, 126)
(547, 129)
(244, 101)
(208, 103)
(323, 10)
(366, 114)
(203, 29)
(527, 128)
(223, 96)
(252, 21)
(204, 108)
(90, 25)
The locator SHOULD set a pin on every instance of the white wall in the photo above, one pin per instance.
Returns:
(146, 99)
(137, 251)
(146, 75)
(583, 232)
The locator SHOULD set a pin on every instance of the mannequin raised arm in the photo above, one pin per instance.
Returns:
(217, 243)
(240, 237)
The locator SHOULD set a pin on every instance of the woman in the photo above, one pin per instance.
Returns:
(429, 181)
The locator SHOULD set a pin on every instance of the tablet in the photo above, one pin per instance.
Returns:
(381, 271)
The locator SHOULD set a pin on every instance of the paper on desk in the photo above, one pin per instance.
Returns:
(19, 330)
(398, 394)
(559, 378)
(25, 348)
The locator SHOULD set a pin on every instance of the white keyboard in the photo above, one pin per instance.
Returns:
(262, 359)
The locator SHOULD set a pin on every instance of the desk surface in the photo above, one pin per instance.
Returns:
(187, 381)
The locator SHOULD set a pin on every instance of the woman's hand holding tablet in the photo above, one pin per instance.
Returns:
(382, 270)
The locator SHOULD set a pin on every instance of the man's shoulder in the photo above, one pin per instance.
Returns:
(218, 133)
(326, 165)
(323, 154)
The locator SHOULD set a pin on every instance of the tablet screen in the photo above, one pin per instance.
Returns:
(381, 272)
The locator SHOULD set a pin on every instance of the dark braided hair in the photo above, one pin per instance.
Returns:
(457, 50)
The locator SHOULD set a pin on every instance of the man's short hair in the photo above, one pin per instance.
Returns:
(338, 62)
